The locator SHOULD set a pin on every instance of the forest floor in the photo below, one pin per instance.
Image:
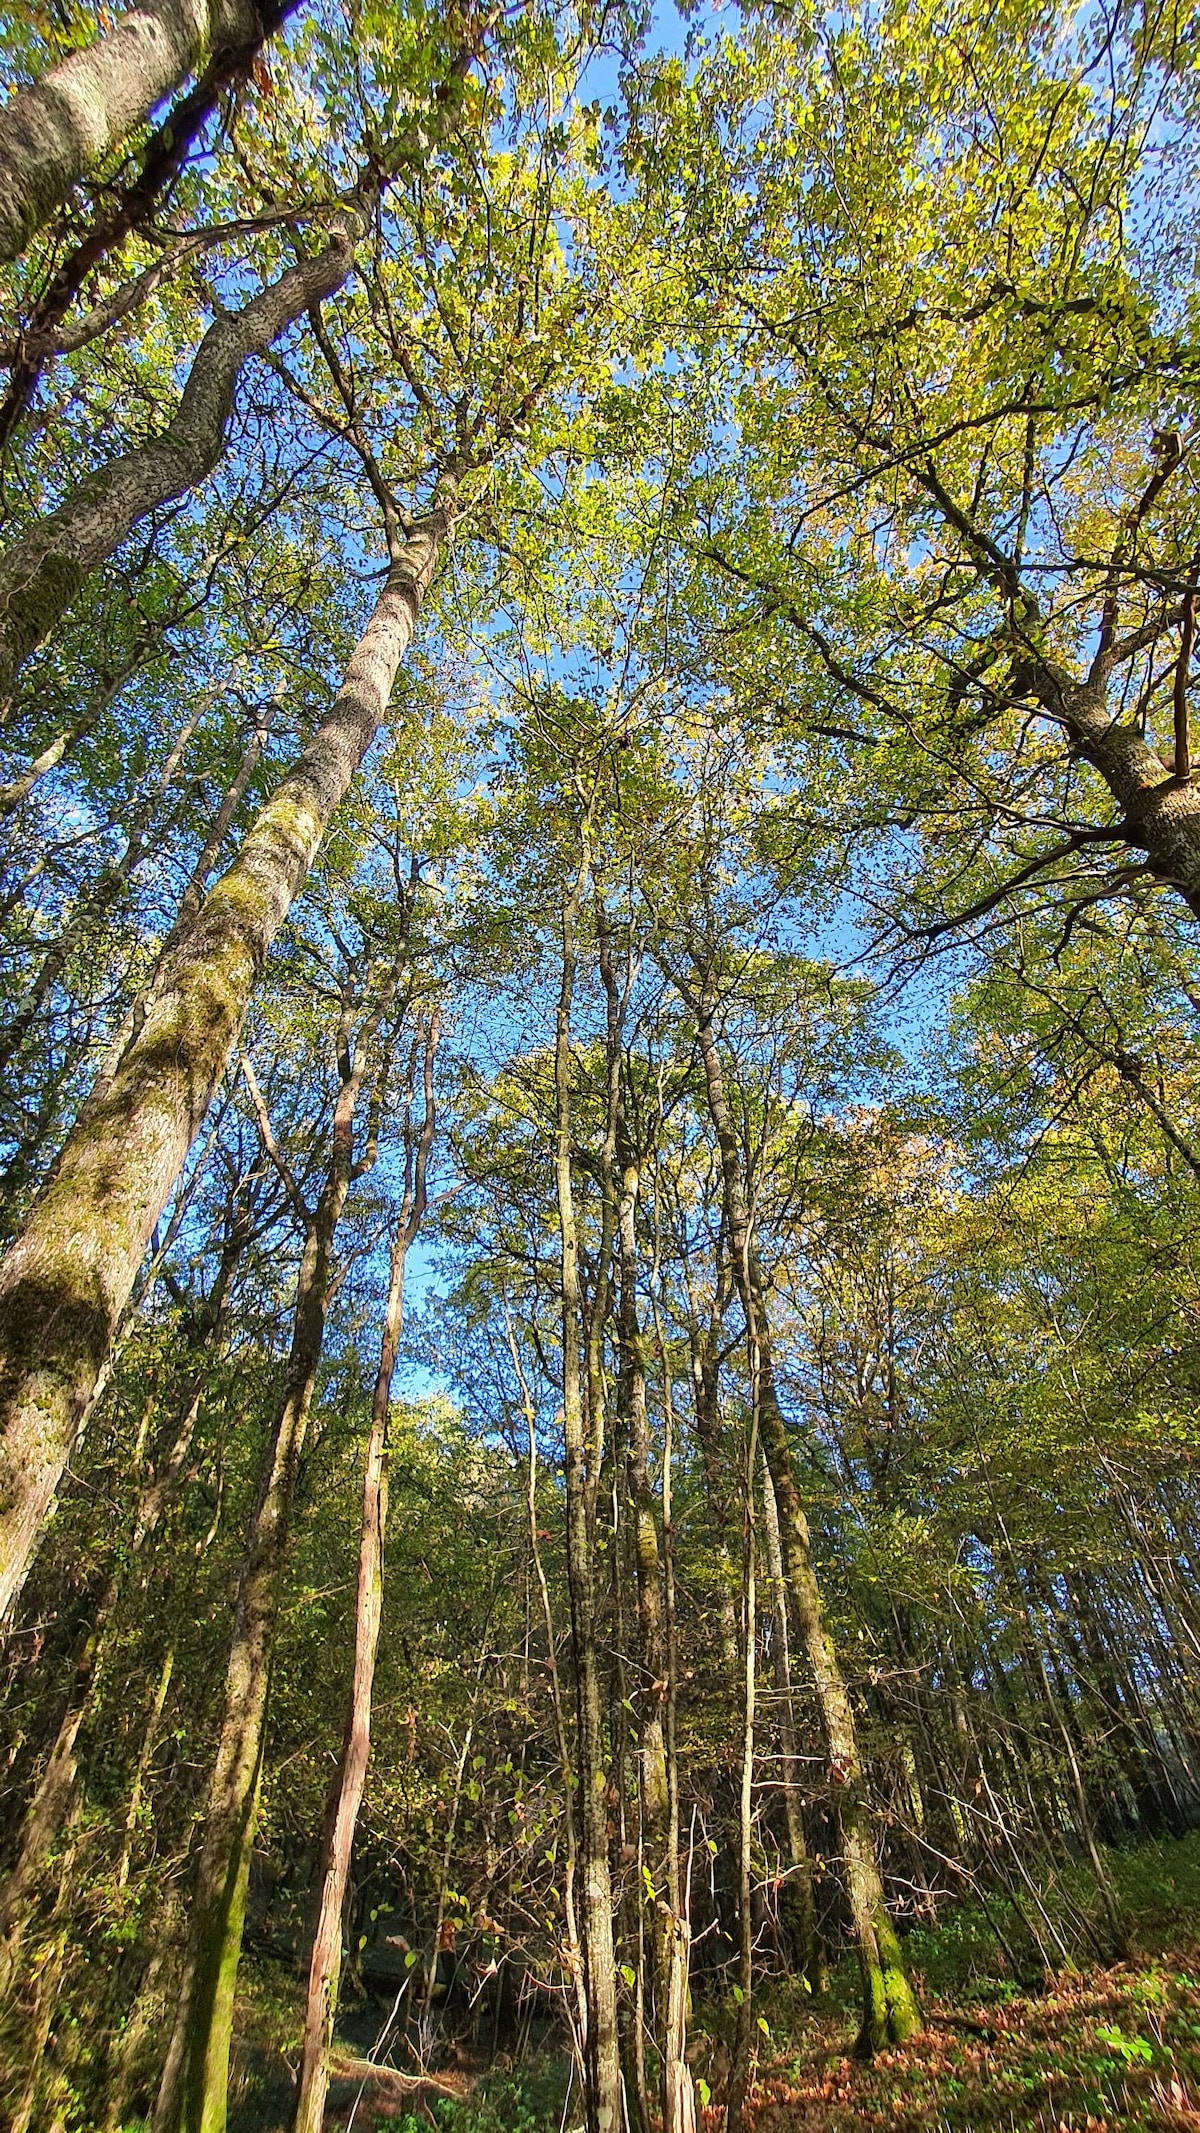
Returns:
(1097, 2048)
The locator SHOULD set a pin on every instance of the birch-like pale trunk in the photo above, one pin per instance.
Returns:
(68, 1276)
(570, 1875)
(325, 1963)
(42, 570)
(678, 2093)
(631, 1392)
(55, 130)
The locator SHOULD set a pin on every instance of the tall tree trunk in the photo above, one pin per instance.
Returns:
(43, 569)
(47, 1812)
(704, 1343)
(189, 903)
(66, 1279)
(799, 1906)
(739, 2072)
(890, 2011)
(325, 1964)
(583, 1453)
(623, 1182)
(678, 2092)
(570, 1877)
(145, 1757)
(57, 129)
(651, 1744)
(192, 2093)
(107, 690)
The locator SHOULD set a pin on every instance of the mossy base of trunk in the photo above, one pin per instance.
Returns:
(891, 2013)
(193, 2097)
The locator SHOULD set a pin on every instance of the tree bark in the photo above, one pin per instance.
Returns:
(42, 570)
(652, 1746)
(46, 1814)
(57, 129)
(1158, 799)
(623, 1183)
(68, 1276)
(251, 22)
(573, 1959)
(678, 2093)
(12, 795)
(704, 1342)
(325, 1964)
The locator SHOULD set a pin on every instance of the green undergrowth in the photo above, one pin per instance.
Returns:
(529, 2100)
(1100, 2046)
(1097, 2046)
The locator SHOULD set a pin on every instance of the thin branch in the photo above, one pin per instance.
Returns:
(271, 1145)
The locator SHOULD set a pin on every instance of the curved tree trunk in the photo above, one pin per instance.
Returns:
(57, 129)
(739, 2072)
(68, 1276)
(41, 571)
(169, 144)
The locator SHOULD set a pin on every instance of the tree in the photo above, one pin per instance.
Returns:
(58, 129)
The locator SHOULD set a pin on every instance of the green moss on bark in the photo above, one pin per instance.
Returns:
(891, 2013)
(33, 607)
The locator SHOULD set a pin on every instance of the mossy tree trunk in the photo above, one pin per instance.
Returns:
(69, 1274)
(236, 40)
(623, 1184)
(743, 2040)
(57, 129)
(704, 1345)
(161, 1481)
(798, 1904)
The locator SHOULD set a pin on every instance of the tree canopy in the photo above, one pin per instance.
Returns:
(600, 1116)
